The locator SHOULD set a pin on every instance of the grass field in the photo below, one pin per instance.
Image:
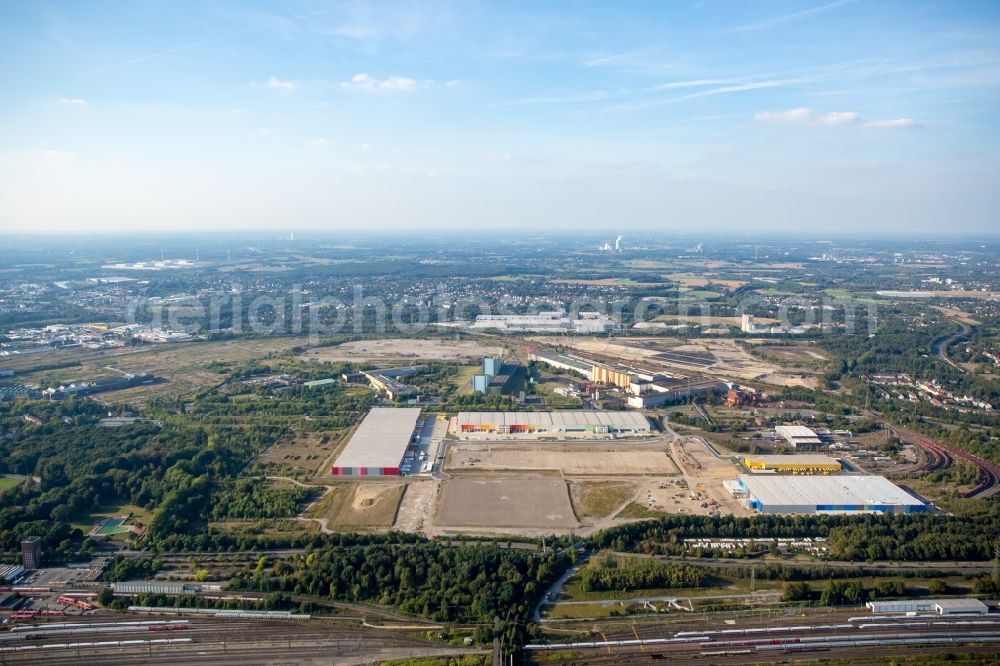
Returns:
(598, 500)
(6, 483)
(302, 454)
(463, 379)
(701, 294)
(272, 528)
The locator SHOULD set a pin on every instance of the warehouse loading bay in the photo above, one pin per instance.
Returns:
(421, 456)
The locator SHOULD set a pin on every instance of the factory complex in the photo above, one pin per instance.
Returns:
(647, 387)
(561, 422)
(817, 494)
(378, 445)
(800, 464)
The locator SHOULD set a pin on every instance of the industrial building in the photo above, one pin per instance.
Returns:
(569, 421)
(9, 573)
(800, 464)
(379, 443)
(387, 382)
(798, 437)
(669, 390)
(939, 606)
(497, 376)
(100, 385)
(555, 321)
(31, 553)
(169, 587)
(614, 375)
(770, 493)
(570, 362)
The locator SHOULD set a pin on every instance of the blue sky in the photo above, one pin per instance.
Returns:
(673, 116)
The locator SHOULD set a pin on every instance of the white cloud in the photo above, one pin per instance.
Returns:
(82, 103)
(892, 123)
(284, 86)
(365, 147)
(803, 115)
(318, 141)
(454, 83)
(366, 83)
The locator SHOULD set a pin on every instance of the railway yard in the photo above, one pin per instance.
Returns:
(763, 637)
(233, 640)
(810, 635)
(936, 455)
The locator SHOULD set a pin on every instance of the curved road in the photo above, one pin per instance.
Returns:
(941, 346)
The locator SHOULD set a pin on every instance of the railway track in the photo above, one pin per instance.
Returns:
(853, 637)
(940, 455)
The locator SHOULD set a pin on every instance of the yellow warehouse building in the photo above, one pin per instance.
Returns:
(793, 464)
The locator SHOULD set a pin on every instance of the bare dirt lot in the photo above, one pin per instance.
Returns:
(704, 473)
(499, 503)
(398, 348)
(362, 505)
(579, 460)
(733, 361)
(792, 353)
(417, 508)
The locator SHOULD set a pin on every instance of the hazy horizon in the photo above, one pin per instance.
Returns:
(766, 117)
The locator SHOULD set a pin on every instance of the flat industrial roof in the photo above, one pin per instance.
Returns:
(826, 490)
(793, 460)
(574, 361)
(794, 431)
(555, 419)
(381, 439)
(961, 605)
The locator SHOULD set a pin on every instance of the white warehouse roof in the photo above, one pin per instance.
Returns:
(835, 492)
(381, 439)
(796, 433)
(556, 420)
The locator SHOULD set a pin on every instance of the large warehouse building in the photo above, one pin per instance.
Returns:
(814, 494)
(798, 437)
(379, 443)
(575, 421)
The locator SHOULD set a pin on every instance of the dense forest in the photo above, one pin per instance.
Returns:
(612, 573)
(175, 469)
(874, 537)
(426, 578)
